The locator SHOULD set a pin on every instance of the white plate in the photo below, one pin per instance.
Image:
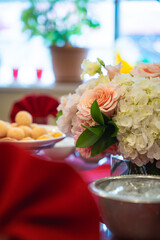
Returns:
(40, 144)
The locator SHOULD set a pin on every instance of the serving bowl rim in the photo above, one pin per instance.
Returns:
(93, 186)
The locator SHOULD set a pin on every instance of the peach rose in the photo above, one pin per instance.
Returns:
(147, 70)
(106, 95)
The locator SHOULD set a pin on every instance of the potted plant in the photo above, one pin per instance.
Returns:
(57, 22)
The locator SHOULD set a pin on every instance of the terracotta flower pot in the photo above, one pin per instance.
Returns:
(67, 62)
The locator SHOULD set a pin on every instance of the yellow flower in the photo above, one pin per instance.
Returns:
(126, 68)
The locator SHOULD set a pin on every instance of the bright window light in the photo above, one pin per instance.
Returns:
(17, 52)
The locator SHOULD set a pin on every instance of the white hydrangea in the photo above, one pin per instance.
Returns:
(154, 151)
(138, 118)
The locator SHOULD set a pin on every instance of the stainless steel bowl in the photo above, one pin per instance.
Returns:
(128, 217)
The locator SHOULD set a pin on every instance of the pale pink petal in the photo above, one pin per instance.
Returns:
(113, 70)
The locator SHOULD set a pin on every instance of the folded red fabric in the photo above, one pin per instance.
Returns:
(40, 106)
(44, 200)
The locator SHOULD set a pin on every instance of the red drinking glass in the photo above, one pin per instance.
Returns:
(15, 73)
(39, 73)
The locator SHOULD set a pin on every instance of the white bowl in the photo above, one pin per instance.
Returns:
(61, 150)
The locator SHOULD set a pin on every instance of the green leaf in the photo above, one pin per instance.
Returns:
(96, 113)
(59, 114)
(86, 139)
(101, 62)
(111, 130)
(102, 144)
(97, 130)
(115, 128)
(106, 119)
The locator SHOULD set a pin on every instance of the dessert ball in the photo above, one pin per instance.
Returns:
(14, 124)
(8, 139)
(16, 133)
(33, 125)
(23, 118)
(27, 131)
(38, 131)
(27, 139)
(3, 129)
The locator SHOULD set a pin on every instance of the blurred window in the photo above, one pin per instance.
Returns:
(131, 28)
(29, 57)
(138, 31)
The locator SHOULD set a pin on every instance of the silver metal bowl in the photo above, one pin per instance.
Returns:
(126, 216)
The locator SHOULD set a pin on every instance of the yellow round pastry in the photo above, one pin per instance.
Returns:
(23, 118)
(38, 131)
(8, 139)
(33, 125)
(15, 132)
(14, 124)
(27, 131)
(3, 129)
(27, 139)
(45, 137)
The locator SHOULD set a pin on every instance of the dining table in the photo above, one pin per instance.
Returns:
(90, 171)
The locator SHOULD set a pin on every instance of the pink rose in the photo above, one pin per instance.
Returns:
(106, 95)
(147, 70)
(113, 149)
(113, 70)
(86, 152)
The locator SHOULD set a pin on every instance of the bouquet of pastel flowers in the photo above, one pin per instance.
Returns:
(115, 113)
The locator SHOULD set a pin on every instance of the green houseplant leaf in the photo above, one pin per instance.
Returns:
(37, 22)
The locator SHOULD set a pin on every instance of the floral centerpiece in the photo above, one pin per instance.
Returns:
(116, 113)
